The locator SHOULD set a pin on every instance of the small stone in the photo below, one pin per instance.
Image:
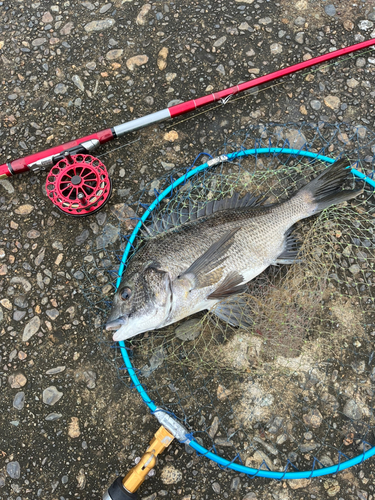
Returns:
(354, 269)
(220, 41)
(352, 83)
(114, 54)
(162, 58)
(243, 26)
(313, 418)
(300, 37)
(54, 371)
(315, 104)
(170, 475)
(332, 102)
(3, 269)
(235, 484)
(47, 17)
(38, 42)
(91, 65)
(136, 61)
(99, 25)
(82, 237)
(171, 136)
(222, 393)
(6, 303)
(214, 427)
(78, 82)
(189, 330)
(250, 496)
(33, 234)
(276, 48)
(52, 313)
(7, 186)
(24, 209)
(67, 29)
(348, 25)
(53, 416)
(265, 20)
(296, 484)
(352, 410)
(31, 328)
(73, 429)
(170, 77)
(79, 275)
(259, 457)
(19, 400)
(220, 68)
(18, 315)
(51, 395)
(216, 487)
(60, 88)
(109, 235)
(17, 380)
(105, 7)
(330, 10)
(141, 18)
(90, 378)
(365, 25)
(14, 470)
(81, 478)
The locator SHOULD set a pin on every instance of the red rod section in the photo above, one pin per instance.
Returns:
(185, 107)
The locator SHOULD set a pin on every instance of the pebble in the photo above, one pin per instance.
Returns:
(332, 102)
(114, 54)
(235, 484)
(24, 210)
(189, 330)
(214, 427)
(99, 25)
(17, 380)
(91, 65)
(162, 58)
(222, 393)
(330, 10)
(315, 104)
(300, 37)
(105, 7)
(53, 416)
(60, 88)
(54, 371)
(141, 18)
(52, 313)
(170, 475)
(250, 496)
(348, 25)
(19, 400)
(216, 487)
(354, 269)
(38, 42)
(296, 484)
(109, 235)
(276, 48)
(6, 303)
(14, 470)
(352, 83)
(136, 61)
(51, 395)
(31, 328)
(73, 428)
(47, 17)
(81, 238)
(18, 315)
(352, 410)
(33, 234)
(67, 29)
(365, 24)
(259, 457)
(313, 418)
(90, 378)
(78, 82)
(7, 186)
(220, 41)
(155, 361)
(3, 269)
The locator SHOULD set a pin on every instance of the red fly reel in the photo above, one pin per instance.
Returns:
(79, 185)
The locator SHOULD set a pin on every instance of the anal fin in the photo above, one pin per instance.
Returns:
(291, 252)
(234, 311)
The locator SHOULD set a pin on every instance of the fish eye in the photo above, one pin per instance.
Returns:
(125, 293)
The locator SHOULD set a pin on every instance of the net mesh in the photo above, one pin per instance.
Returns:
(297, 385)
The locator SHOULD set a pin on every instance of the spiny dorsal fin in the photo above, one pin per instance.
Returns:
(199, 210)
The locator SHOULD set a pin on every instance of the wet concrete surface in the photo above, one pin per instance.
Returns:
(68, 69)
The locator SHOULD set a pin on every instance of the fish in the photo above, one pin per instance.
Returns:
(202, 258)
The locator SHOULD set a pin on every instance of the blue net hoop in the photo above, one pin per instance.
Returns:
(341, 465)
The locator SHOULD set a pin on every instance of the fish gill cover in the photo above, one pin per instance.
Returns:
(297, 386)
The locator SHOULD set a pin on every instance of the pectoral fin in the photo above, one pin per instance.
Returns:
(291, 251)
(206, 270)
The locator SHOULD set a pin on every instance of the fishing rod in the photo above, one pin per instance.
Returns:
(78, 183)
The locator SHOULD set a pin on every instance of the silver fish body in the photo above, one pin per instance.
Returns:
(201, 264)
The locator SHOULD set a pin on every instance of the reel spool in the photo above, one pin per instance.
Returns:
(79, 185)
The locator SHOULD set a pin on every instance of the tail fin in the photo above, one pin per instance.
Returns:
(325, 190)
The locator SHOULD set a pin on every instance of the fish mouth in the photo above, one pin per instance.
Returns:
(117, 323)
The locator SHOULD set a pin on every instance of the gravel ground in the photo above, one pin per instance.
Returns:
(68, 427)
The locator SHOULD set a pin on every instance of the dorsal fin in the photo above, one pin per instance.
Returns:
(198, 210)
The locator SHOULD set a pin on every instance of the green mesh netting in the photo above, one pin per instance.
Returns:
(298, 385)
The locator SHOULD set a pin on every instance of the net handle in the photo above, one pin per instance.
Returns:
(193, 444)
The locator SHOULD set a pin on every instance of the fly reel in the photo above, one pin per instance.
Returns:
(78, 185)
